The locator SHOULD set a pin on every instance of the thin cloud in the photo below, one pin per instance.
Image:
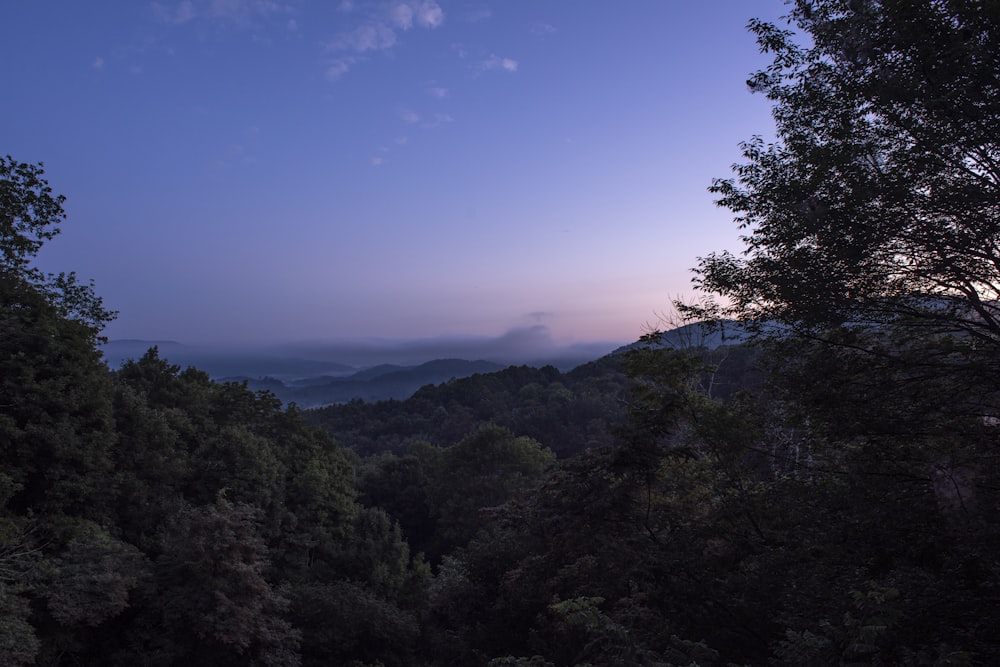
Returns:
(243, 9)
(479, 14)
(438, 92)
(401, 16)
(369, 37)
(98, 63)
(429, 14)
(229, 10)
(408, 117)
(182, 13)
(542, 29)
(444, 118)
(379, 156)
(380, 33)
(424, 13)
(495, 62)
(337, 69)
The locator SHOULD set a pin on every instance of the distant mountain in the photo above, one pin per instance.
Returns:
(293, 361)
(221, 363)
(311, 377)
(375, 371)
(531, 346)
(568, 412)
(373, 384)
(315, 374)
(708, 336)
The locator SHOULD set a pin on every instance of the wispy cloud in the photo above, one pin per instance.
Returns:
(437, 92)
(477, 14)
(338, 68)
(230, 10)
(542, 29)
(523, 344)
(379, 158)
(98, 63)
(373, 36)
(181, 13)
(380, 29)
(409, 117)
(241, 9)
(401, 16)
(427, 13)
(495, 62)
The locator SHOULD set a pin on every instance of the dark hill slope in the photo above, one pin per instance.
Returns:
(567, 412)
(378, 383)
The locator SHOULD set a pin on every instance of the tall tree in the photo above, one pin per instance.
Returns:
(209, 602)
(872, 226)
(61, 571)
(486, 469)
(880, 197)
(30, 215)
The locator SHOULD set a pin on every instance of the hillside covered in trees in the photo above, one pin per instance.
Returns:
(829, 496)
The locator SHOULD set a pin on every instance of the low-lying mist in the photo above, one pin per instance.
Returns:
(531, 345)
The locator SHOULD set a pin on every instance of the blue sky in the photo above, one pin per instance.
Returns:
(263, 170)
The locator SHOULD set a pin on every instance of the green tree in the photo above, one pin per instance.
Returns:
(210, 603)
(30, 215)
(486, 469)
(91, 579)
(56, 433)
(54, 403)
(879, 200)
(60, 573)
(872, 230)
(20, 557)
(399, 485)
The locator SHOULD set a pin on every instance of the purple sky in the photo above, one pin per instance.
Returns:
(258, 170)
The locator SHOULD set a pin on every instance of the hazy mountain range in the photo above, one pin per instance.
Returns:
(372, 384)
(322, 373)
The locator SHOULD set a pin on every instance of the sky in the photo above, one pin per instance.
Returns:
(253, 171)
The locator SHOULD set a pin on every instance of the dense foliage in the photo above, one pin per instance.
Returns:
(152, 516)
(881, 190)
(569, 412)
